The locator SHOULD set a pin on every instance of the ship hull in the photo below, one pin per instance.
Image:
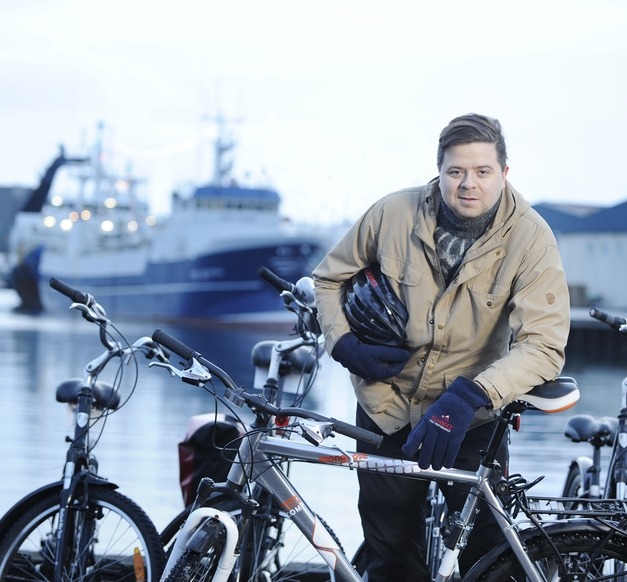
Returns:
(215, 287)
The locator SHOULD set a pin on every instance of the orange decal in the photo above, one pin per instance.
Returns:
(291, 503)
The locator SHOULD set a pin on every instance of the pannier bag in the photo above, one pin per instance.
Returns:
(203, 454)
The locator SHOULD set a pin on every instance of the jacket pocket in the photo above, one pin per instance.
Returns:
(400, 271)
(375, 397)
(489, 303)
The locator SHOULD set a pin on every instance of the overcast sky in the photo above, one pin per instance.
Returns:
(335, 102)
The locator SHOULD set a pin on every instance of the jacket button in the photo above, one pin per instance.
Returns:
(431, 321)
(401, 277)
(441, 326)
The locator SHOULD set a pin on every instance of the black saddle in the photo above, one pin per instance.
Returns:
(105, 395)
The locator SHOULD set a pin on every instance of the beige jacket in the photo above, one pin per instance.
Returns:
(510, 286)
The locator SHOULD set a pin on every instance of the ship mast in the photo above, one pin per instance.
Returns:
(222, 167)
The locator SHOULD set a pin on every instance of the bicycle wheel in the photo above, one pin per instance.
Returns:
(584, 553)
(111, 540)
(573, 486)
(273, 549)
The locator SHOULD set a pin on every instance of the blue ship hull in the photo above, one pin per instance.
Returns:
(220, 287)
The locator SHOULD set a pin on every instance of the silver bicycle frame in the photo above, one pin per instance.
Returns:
(255, 462)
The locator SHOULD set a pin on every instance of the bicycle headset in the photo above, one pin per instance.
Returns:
(374, 312)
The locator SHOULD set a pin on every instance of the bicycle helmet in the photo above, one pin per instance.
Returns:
(375, 314)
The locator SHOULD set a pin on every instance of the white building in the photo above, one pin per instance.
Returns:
(593, 245)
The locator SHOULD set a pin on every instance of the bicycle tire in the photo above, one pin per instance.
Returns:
(121, 538)
(573, 486)
(589, 552)
(273, 550)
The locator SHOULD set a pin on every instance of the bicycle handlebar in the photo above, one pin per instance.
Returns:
(302, 289)
(184, 351)
(256, 402)
(75, 295)
(90, 309)
(274, 280)
(613, 321)
(151, 348)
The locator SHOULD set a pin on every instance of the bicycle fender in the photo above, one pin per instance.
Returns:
(584, 525)
(584, 463)
(8, 519)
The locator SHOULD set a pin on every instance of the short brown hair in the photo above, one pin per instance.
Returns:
(473, 128)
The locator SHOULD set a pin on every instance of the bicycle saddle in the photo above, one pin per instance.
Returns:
(105, 395)
(553, 396)
(597, 431)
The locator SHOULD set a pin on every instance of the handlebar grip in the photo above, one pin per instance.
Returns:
(359, 434)
(274, 280)
(187, 353)
(611, 320)
(174, 345)
(74, 294)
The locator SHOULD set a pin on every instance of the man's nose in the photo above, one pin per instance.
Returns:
(468, 181)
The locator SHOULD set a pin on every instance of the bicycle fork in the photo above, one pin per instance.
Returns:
(196, 534)
(65, 533)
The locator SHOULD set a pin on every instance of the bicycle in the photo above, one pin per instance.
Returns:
(284, 370)
(81, 528)
(584, 474)
(218, 543)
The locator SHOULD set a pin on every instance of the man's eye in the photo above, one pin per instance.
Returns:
(454, 172)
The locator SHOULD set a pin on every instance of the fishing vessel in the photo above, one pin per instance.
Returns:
(198, 264)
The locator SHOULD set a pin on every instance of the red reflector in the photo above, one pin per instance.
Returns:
(516, 422)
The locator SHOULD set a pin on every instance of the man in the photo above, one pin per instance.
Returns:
(479, 273)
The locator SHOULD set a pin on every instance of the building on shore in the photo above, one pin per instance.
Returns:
(593, 245)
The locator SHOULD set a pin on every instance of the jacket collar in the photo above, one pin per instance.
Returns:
(512, 206)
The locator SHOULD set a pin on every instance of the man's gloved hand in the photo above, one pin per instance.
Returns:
(443, 427)
(369, 361)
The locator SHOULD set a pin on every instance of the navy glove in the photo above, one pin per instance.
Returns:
(369, 361)
(443, 427)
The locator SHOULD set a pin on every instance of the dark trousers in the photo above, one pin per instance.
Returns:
(392, 509)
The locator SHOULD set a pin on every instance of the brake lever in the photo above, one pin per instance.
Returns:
(195, 374)
(315, 432)
(92, 315)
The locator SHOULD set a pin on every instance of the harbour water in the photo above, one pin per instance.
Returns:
(138, 448)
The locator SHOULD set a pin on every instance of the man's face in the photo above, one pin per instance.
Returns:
(471, 179)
